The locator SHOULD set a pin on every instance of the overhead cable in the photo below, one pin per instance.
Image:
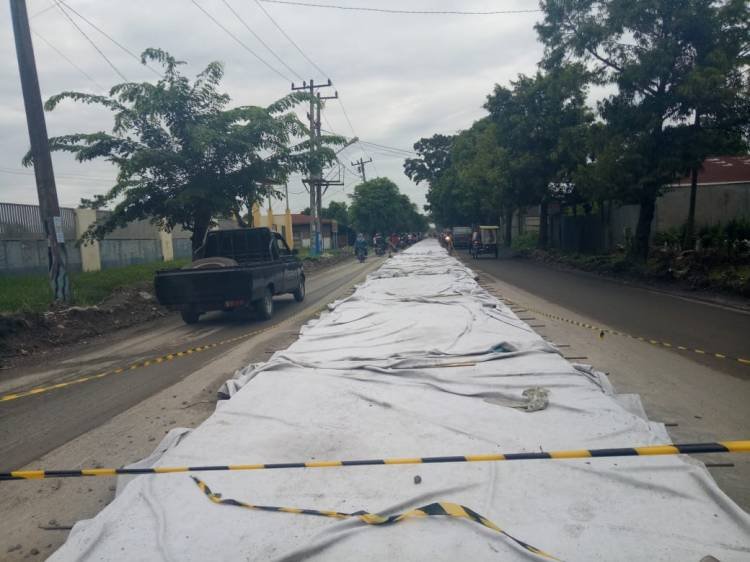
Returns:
(112, 39)
(294, 44)
(69, 61)
(91, 41)
(241, 43)
(258, 37)
(317, 67)
(397, 11)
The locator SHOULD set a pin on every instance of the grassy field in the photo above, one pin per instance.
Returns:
(31, 293)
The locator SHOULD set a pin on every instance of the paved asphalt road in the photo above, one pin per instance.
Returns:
(635, 310)
(33, 425)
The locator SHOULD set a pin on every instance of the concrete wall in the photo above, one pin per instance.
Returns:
(27, 257)
(119, 253)
(714, 204)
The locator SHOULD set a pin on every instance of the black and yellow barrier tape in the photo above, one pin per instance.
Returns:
(150, 361)
(649, 450)
(603, 331)
(444, 509)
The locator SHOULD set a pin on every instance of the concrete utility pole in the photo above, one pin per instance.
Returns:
(315, 181)
(49, 207)
(360, 164)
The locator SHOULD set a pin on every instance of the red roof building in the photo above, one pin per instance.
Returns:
(722, 170)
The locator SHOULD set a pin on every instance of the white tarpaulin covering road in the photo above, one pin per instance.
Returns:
(420, 361)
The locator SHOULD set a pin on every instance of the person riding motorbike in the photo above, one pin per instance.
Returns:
(393, 242)
(449, 242)
(360, 247)
(476, 241)
(378, 243)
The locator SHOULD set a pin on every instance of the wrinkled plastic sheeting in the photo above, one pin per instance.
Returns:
(420, 361)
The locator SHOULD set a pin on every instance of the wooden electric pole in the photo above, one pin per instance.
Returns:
(49, 207)
(360, 164)
(315, 180)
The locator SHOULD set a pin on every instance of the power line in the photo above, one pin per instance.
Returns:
(270, 50)
(354, 133)
(91, 41)
(393, 148)
(376, 146)
(323, 72)
(396, 11)
(241, 43)
(69, 61)
(118, 44)
(285, 34)
(69, 176)
(42, 11)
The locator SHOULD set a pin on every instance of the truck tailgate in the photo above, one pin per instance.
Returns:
(191, 286)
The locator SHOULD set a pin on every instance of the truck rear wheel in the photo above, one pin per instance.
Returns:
(190, 316)
(264, 306)
(299, 292)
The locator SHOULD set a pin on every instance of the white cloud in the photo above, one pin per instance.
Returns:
(400, 77)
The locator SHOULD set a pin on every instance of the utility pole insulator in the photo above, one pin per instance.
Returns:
(360, 164)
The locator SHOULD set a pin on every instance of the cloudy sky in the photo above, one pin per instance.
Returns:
(400, 77)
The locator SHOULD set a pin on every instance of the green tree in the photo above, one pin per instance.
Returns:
(479, 162)
(378, 206)
(433, 166)
(183, 156)
(433, 158)
(542, 122)
(337, 211)
(715, 90)
(649, 50)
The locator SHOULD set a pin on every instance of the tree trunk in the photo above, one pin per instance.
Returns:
(200, 228)
(543, 225)
(643, 229)
(519, 226)
(508, 227)
(690, 224)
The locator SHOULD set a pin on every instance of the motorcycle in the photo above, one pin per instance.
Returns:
(449, 245)
(361, 255)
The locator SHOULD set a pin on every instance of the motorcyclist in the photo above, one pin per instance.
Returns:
(360, 247)
(449, 241)
(393, 243)
(378, 243)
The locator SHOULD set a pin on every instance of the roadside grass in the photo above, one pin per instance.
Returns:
(304, 253)
(31, 293)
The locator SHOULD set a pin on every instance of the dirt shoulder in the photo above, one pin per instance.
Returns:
(28, 337)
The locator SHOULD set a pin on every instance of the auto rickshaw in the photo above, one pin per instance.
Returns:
(486, 242)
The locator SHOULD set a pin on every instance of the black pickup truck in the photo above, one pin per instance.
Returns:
(234, 269)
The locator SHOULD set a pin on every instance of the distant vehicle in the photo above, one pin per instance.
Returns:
(486, 243)
(234, 269)
(462, 237)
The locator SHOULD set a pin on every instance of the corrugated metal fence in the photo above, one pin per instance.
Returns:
(23, 246)
(23, 222)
